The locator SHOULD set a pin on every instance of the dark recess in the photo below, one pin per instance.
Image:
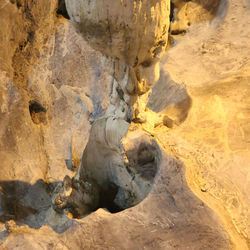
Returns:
(178, 32)
(107, 199)
(36, 107)
(171, 16)
(37, 112)
(61, 10)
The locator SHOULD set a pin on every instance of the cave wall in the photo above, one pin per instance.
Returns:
(54, 84)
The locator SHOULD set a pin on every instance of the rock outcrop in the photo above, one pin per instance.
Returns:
(162, 145)
(132, 36)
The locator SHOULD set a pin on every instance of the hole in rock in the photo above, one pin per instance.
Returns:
(61, 10)
(140, 173)
(37, 112)
(112, 185)
(107, 198)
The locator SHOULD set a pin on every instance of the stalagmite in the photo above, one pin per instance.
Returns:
(132, 36)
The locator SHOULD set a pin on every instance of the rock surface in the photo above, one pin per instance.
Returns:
(134, 69)
(54, 85)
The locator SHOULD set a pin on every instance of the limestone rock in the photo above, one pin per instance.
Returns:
(184, 145)
(134, 31)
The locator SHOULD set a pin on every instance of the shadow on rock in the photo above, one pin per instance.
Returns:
(31, 205)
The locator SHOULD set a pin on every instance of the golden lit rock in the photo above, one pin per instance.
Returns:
(125, 127)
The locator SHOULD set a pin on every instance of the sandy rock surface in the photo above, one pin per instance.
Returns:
(54, 85)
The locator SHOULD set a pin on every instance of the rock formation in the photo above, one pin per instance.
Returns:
(124, 124)
(135, 35)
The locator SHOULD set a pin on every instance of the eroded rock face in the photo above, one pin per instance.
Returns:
(122, 26)
(135, 35)
(54, 86)
(36, 108)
